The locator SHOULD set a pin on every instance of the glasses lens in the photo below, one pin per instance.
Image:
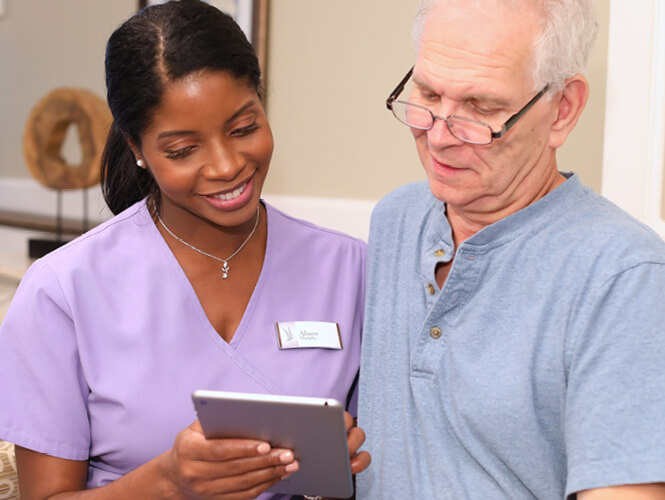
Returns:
(412, 115)
(470, 130)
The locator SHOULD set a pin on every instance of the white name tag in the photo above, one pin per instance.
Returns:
(303, 334)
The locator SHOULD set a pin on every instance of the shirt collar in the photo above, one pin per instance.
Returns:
(439, 233)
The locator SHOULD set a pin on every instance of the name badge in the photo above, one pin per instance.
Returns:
(303, 334)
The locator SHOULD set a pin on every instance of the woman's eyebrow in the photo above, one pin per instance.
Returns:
(241, 110)
(174, 133)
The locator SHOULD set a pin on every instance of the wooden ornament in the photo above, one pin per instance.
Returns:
(45, 133)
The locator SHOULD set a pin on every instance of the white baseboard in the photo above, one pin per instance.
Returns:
(345, 215)
(28, 196)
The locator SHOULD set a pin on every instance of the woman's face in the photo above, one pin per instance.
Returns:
(208, 147)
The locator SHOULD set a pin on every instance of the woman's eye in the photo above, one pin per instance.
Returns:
(178, 154)
(243, 131)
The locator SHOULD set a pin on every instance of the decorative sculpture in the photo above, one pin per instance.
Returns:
(43, 140)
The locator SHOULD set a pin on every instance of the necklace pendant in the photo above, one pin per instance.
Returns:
(225, 270)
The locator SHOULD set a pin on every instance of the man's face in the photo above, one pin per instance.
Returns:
(477, 63)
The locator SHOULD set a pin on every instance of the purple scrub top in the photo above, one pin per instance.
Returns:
(105, 339)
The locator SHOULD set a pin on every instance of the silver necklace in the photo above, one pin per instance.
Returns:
(225, 262)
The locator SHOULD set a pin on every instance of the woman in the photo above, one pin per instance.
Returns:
(183, 289)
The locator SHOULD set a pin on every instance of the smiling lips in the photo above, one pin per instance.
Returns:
(233, 199)
(231, 195)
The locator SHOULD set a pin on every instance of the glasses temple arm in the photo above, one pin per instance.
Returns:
(511, 121)
(398, 90)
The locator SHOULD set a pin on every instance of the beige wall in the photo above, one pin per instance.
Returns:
(583, 151)
(45, 45)
(331, 65)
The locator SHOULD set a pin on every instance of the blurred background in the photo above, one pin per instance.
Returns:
(330, 67)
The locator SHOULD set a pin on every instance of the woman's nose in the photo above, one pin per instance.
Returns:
(224, 162)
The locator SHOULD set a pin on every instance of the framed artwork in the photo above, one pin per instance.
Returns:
(251, 16)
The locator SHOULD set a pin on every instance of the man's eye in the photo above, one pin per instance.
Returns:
(242, 131)
(429, 96)
(483, 111)
(178, 154)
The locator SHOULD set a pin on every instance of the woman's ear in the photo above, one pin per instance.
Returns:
(569, 105)
(140, 161)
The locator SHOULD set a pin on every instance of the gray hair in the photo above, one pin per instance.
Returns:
(560, 51)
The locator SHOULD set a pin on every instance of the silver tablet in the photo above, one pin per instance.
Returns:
(312, 427)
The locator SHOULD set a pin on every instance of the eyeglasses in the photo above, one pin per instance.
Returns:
(465, 129)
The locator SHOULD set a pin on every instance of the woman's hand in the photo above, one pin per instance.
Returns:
(229, 469)
(356, 437)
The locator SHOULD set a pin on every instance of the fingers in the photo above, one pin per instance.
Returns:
(355, 438)
(360, 462)
(191, 443)
(349, 421)
(242, 468)
(206, 481)
(282, 461)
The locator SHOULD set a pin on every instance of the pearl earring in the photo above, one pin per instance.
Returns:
(139, 163)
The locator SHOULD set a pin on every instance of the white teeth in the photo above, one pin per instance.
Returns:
(231, 195)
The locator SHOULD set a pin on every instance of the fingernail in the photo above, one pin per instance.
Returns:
(292, 467)
(286, 457)
(263, 448)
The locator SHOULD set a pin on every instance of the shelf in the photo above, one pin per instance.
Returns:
(41, 223)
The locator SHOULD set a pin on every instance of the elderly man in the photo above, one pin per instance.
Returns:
(514, 342)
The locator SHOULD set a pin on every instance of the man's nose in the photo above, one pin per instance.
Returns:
(440, 135)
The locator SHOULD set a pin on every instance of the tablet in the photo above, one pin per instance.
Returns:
(312, 427)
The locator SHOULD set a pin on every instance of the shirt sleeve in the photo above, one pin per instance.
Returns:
(43, 392)
(615, 409)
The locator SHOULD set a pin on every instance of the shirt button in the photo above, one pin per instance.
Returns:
(435, 332)
(440, 252)
(430, 289)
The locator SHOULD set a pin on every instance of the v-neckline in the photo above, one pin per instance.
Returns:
(193, 297)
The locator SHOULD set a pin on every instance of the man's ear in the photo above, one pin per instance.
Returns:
(569, 105)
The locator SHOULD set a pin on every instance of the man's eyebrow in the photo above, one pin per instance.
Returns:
(470, 98)
(488, 99)
(417, 81)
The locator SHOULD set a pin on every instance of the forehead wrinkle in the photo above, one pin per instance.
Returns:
(471, 83)
(470, 52)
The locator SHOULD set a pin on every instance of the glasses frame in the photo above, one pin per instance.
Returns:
(508, 124)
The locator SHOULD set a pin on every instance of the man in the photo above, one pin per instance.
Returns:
(514, 331)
